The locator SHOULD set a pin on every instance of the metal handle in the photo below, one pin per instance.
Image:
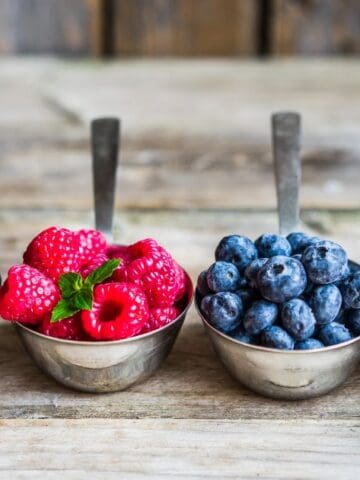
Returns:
(286, 135)
(105, 140)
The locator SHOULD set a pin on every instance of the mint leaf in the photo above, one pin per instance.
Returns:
(63, 309)
(70, 283)
(103, 272)
(83, 299)
(77, 294)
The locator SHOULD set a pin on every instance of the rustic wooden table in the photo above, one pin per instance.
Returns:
(195, 165)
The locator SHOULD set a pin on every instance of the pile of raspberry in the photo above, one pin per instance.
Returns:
(143, 290)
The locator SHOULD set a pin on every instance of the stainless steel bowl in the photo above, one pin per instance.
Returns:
(103, 366)
(280, 374)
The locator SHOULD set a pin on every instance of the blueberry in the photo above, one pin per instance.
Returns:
(341, 316)
(269, 245)
(253, 269)
(325, 302)
(351, 291)
(223, 277)
(353, 322)
(324, 262)
(202, 286)
(276, 337)
(298, 241)
(224, 311)
(259, 316)
(236, 249)
(241, 335)
(298, 319)
(334, 333)
(205, 304)
(315, 240)
(248, 296)
(281, 278)
(309, 344)
(297, 257)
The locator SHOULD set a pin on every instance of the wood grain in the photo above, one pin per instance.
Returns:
(50, 26)
(315, 27)
(149, 449)
(184, 27)
(184, 134)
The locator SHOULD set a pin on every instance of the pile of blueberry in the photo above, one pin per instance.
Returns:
(298, 292)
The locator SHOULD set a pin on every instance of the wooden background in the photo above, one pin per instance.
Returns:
(180, 27)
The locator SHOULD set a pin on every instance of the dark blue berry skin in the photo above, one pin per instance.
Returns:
(341, 316)
(309, 344)
(252, 271)
(241, 335)
(236, 249)
(224, 311)
(223, 277)
(276, 337)
(281, 278)
(353, 322)
(324, 262)
(269, 245)
(325, 302)
(334, 333)
(248, 296)
(202, 286)
(205, 304)
(298, 241)
(351, 291)
(259, 316)
(297, 256)
(298, 319)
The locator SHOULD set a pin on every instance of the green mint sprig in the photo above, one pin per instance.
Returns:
(77, 293)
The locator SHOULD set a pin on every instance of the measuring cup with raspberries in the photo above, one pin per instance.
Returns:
(283, 311)
(95, 315)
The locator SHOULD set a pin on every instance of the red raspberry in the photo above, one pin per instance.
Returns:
(152, 268)
(54, 251)
(180, 280)
(119, 310)
(27, 295)
(95, 263)
(121, 252)
(92, 244)
(160, 317)
(68, 328)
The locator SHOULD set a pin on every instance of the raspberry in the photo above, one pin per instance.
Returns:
(92, 244)
(159, 317)
(95, 263)
(121, 252)
(54, 251)
(119, 310)
(153, 269)
(68, 328)
(180, 280)
(27, 295)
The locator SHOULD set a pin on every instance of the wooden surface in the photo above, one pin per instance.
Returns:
(315, 27)
(185, 27)
(50, 26)
(237, 28)
(187, 180)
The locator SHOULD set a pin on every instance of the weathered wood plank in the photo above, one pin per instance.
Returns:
(188, 177)
(50, 26)
(149, 449)
(191, 384)
(184, 27)
(315, 27)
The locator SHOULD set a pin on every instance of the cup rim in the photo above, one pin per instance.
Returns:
(273, 350)
(94, 343)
